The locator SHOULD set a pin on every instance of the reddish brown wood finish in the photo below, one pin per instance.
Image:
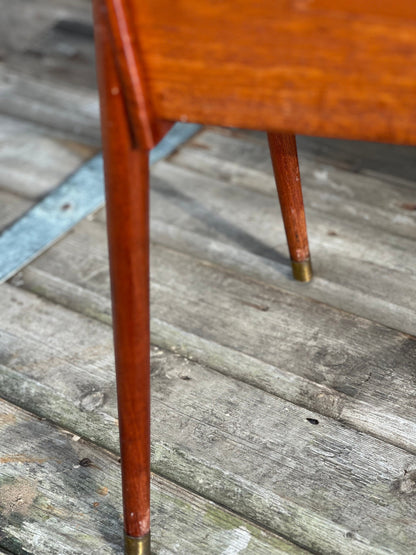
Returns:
(131, 73)
(286, 171)
(296, 66)
(146, 129)
(127, 178)
(399, 9)
(317, 67)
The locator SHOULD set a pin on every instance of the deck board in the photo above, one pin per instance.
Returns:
(381, 198)
(360, 361)
(47, 75)
(359, 266)
(61, 496)
(62, 107)
(306, 470)
(33, 160)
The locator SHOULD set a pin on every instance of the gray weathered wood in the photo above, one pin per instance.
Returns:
(364, 271)
(51, 504)
(232, 443)
(49, 75)
(356, 197)
(33, 160)
(23, 21)
(358, 268)
(389, 163)
(208, 205)
(63, 47)
(73, 111)
(11, 207)
(237, 444)
(345, 370)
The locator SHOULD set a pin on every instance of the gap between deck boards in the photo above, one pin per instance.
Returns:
(216, 453)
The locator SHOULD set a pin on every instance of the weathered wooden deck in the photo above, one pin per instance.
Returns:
(284, 415)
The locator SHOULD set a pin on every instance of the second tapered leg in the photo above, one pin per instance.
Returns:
(286, 171)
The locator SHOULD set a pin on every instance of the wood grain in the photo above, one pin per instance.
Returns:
(190, 290)
(53, 504)
(34, 159)
(126, 167)
(384, 8)
(72, 111)
(358, 225)
(273, 66)
(217, 451)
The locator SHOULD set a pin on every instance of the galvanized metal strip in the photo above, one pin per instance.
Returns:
(80, 195)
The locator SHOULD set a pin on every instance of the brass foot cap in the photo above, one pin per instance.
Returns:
(137, 546)
(302, 271)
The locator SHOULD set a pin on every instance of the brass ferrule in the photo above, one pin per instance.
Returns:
(302, 271)
(137, 546)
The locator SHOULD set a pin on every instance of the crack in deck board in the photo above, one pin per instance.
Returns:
(217, 453)
(44, 484)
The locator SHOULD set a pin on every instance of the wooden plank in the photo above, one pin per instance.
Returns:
(390, 163)
(61, 495)
(80, 195)
(339, 281)
(336, 178)
(22, 21)
(324, 204)
(359, 201)
(232, 443)
(372, 201)
(243, 232)
(49, 75)
(73, 111)
(11, 208)
(352, 357)
(62, 50)
(33, 160)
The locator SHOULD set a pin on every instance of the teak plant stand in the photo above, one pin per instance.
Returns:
(318, 67)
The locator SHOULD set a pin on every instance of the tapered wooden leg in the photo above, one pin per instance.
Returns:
(127, 179)
(286, 171)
